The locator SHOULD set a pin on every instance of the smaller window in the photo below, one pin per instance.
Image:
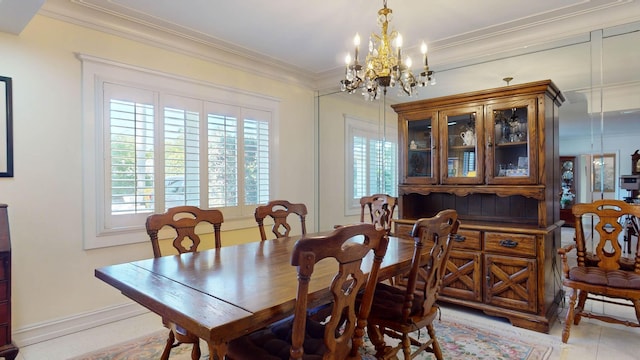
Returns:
(372, 162)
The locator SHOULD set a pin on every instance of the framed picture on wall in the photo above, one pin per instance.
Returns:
(6, 128)
(604, 173)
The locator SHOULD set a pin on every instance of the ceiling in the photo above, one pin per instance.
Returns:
(472, 44)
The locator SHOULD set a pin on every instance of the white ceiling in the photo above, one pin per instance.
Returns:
(472, 44)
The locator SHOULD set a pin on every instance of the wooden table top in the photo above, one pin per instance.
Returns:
(220, 294)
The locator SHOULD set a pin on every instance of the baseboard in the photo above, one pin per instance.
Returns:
(52, 329)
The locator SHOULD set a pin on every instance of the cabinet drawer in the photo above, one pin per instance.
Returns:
(512, 244)
(4, 290)
(4, 335)
(467, 239)
(4, 312)
(4, 265)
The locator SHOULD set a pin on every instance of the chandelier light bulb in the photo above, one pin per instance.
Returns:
(408, 63)
(347, 59)
(399, 41)
(423, 48)
(356, 40)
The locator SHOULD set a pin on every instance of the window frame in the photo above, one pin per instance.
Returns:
(373, 130)
(95, 72)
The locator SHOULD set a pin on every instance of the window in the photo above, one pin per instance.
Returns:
(372, 162)
(169, 143)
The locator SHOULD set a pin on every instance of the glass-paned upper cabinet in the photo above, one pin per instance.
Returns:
(421, 165)
(511, 139)
(462, 155)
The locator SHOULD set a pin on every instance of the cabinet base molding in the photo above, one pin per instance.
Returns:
(532, 322)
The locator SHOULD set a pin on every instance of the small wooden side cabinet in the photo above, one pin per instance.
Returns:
(7, 349)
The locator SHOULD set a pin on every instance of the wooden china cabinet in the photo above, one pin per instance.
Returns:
(493, 157)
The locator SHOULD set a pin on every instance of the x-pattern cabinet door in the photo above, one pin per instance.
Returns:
(511, 282)
(463, 277)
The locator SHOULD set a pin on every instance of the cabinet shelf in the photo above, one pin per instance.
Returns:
(514, 143)
(462, 147)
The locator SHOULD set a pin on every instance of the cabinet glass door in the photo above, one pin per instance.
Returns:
(462, 157)
(511, 137)
(421, 150)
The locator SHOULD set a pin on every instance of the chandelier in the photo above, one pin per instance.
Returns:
(384, 67)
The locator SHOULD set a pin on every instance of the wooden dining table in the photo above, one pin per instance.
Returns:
(222, 294)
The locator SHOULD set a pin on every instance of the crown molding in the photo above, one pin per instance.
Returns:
(213, 50)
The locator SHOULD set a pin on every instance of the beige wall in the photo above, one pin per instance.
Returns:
(52, 274)
(333, 109)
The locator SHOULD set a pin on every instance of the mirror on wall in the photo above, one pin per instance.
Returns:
(598, 73)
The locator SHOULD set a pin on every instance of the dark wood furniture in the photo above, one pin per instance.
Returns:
(183, 221)
(379, 208)
(399, 311)
(493, 157)
(568, 189)
(342, 335)
(601, 269)
(8, 349)
(279, 210)
(221, 294)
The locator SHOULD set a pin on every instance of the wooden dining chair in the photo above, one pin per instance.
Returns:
(342, 335)
(600, 268)
(398, 311)
(378, 209)
(279, 211)
(183, 220)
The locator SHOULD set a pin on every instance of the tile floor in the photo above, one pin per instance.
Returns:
(591, 340)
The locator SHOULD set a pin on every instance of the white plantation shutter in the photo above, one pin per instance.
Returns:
(256, 158)
(129, 154)
(223, 160)
(359, 153)
(181, 135)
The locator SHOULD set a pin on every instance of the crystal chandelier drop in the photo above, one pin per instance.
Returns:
(384, 67)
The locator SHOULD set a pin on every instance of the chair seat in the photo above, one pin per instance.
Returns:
(613, 278)
(274, 342)
(388, 302)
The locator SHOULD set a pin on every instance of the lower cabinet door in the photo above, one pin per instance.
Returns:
(463, 277)
(510, 282)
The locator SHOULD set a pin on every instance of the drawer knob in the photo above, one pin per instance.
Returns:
(508, 243)
(459, 238)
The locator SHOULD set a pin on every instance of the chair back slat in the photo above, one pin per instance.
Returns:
(606, 218)
(279, 211)
(184, 220)
(380, 209)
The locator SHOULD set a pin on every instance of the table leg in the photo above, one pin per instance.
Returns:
(217, 351)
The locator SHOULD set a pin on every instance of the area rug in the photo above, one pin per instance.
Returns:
(458, 341)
